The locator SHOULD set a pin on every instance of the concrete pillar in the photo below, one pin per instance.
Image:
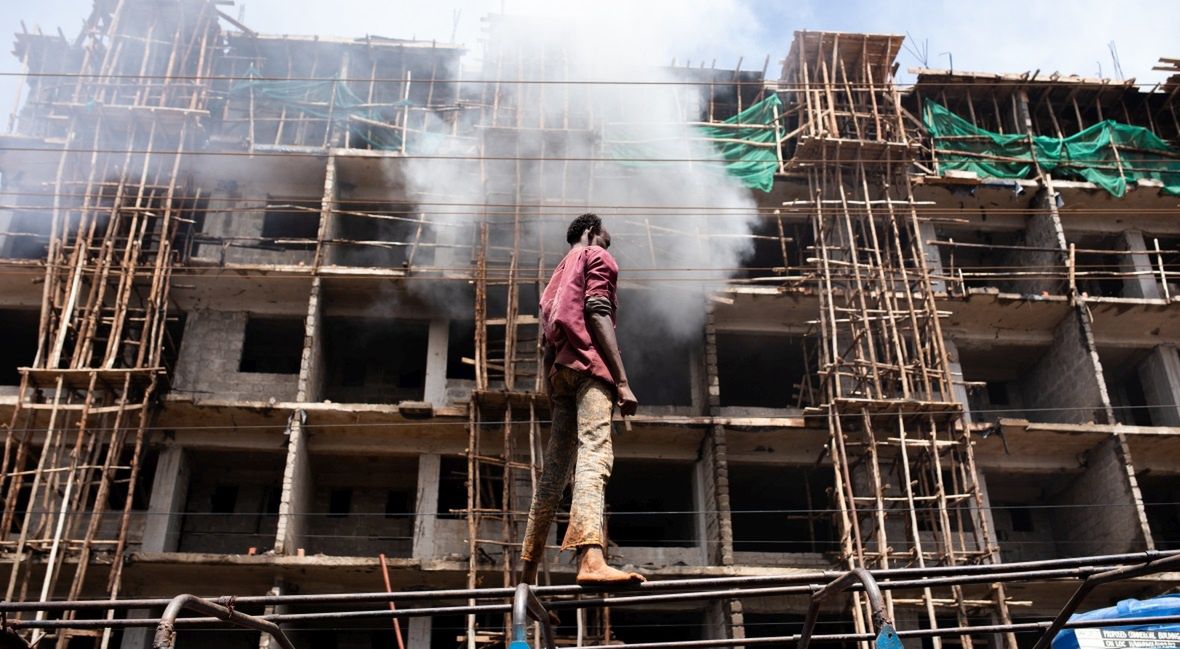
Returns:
(426, 508)
(418, 636)
(436, 363)
(139, 638)
(932, 253)
(716, 621)
(311, 365)
(702, 502)
(1144, 284)
(295, 501)
(6, 227)
(161, 532)
(958, 385)
(1159, 374)
(981, 516)
(698, 380)
(909, 618)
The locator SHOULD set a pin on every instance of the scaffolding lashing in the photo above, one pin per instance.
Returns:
(906, 482)
(74, 443)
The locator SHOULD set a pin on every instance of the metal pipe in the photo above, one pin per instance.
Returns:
(525, 605)
(880, 617)
(914, 633)
(166, 629)
(650, 586)
(621, 600)
(1093, 581)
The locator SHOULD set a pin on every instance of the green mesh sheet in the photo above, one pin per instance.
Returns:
(754, 165)
(1086, 155)
(747, 148)
(323, 99)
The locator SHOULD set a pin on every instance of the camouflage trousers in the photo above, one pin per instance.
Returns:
(579, 446)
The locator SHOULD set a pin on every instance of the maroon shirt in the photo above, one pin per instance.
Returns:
(586, 272)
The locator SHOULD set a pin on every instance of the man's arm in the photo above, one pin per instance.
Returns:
(598, 312)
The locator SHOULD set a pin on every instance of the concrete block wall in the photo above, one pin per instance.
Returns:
(366, 529)
(1159, 374)
(1042, 230)
(1101, 513)
(252, 521)
(210, 355)
(1064, 385)
(239, 229)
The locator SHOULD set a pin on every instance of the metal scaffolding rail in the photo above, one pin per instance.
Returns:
(524, 604)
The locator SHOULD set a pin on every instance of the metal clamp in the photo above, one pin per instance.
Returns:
(166, 630)
(886, 634)
(525, 605)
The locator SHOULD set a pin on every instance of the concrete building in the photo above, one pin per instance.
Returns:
(255, 346)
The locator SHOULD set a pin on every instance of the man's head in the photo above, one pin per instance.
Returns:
(587, 229)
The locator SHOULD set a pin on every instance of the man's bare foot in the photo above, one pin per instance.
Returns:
(528, 573)
(593, 571)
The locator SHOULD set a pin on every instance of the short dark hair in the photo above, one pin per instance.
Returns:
(587, 221)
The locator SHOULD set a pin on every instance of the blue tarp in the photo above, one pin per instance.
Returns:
(1154, 607)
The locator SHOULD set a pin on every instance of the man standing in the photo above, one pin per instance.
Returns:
(585, 379)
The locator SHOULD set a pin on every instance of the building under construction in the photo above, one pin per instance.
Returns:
(248, 351)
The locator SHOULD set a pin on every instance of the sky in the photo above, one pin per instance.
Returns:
(1070, 37)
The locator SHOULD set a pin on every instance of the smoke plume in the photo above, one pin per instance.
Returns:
(575, 113)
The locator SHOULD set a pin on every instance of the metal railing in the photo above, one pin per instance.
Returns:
(527, 603)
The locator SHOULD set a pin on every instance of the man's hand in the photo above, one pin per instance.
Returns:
(626, 401)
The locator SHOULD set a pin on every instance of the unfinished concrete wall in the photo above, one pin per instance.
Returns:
(1101, 512)
(1159, 374)
(232, 502)
(210, 361)
(374, 360)
(362, 506)
(251, 222)
(1044, 235)
(1064, 384)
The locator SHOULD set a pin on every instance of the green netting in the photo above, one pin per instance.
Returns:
(747, 147)
(748, 144)
(754, 165)
(1089, 154)
(328, 99)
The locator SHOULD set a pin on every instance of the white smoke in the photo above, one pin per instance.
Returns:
(590, 118)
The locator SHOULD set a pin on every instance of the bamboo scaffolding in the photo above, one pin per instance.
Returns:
(880, 340)
(104, 306)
